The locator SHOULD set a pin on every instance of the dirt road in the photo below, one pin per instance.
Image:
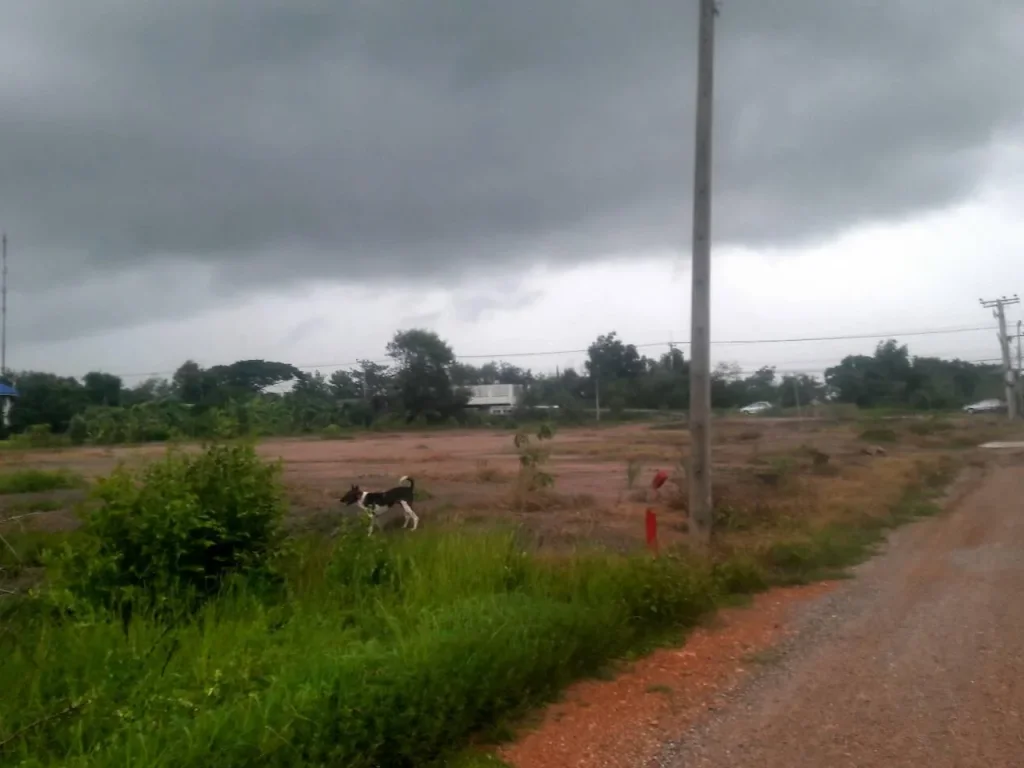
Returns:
(918, 662)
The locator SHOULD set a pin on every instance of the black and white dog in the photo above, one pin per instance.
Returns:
(375, 503)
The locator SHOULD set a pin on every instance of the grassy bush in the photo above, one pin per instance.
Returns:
(177, 529)
(37, 436)
(26, 549)
(335, 432)
(879, 435)
(387, 652)
(930, 427)
(381, 651)
(37, 481)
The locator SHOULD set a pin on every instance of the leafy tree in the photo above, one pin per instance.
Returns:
(610, 359)
(150, 390)
(102, 388)
(423, 380)
(426, 382)
(466, 374)
(189, 383)
(345, 385)
(312, 404)
(374, 378)
(176, 530)
(760, 385)
(45, 398)
(251, 377)
(807, 388)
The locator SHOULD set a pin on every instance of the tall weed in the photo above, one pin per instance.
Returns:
(175, 531)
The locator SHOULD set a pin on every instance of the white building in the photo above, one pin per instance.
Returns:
(498, 399)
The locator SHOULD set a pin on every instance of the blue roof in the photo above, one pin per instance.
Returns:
(6, 390)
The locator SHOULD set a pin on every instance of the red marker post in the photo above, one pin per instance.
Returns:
(652, 531)
(650, 519)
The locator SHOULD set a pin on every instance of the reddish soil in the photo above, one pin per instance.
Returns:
(917, 661)
(467, 478)
(625, 722)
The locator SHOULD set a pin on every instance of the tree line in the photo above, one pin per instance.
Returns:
(424, 383)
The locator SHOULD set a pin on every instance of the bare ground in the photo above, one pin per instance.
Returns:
(468, 478)
(918, 662)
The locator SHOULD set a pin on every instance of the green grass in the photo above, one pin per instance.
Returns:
(385, 652)
(37, 481)
(473, 759)
(25, 549)
(393, 651)
(827, 552)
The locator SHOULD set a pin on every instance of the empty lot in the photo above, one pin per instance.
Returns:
(469, 478)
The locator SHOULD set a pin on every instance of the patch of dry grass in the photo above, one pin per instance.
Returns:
(522, 498)
(488, 473)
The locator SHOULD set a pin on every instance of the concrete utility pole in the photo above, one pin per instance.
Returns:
(701, 514)
(3, 310)
(1020, 368)
(796, 396)
(998, 306)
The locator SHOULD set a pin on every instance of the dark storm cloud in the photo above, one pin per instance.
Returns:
(299, 140)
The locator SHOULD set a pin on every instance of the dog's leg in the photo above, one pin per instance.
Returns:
(369, 512)
(410, 515)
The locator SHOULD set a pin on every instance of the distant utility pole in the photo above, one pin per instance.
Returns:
(796, 397)
(1020, 367)
(1020, 335)
(3, 311)
(998, 306)
(700, 304)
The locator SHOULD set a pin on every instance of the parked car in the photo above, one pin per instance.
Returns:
(755, 408)
(985, 406)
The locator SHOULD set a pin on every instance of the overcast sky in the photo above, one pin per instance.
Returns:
(297, 179)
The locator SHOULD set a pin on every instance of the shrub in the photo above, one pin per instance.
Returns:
(334, 432)
(486, 473)
(78, 429)
(177, 530)
(740, 574)
(930, 427)
(879, 435)
(533, 458)
(37, 481)
(38, 436)
(404, 649)
(665, 592)
(633, 469)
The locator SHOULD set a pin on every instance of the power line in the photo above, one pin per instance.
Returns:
(583, 350)
(852, 337)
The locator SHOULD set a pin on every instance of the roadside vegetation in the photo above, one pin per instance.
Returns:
(180, 626)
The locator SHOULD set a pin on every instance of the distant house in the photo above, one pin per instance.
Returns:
(498, 399)
(8, 395)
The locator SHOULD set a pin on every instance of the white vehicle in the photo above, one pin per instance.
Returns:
(755, 408)
(985, 406)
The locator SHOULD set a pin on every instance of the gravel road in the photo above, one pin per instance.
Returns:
(919, 661)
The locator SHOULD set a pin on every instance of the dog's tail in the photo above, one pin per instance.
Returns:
(412, 483)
